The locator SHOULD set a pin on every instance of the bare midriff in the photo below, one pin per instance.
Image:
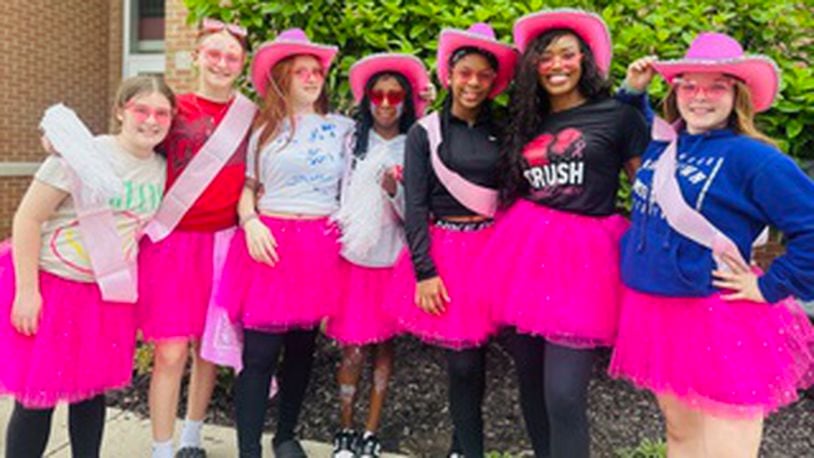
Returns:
(465, 218)
(286, 215)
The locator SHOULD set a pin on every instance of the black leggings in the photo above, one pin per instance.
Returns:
(261, 351)
(28, 429)
(554, 395)
(467, 383)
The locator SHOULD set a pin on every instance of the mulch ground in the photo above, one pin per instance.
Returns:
(416, 419)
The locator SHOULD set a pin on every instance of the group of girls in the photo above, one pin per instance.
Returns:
(446, 226)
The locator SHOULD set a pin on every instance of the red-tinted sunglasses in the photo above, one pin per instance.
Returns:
(393, 97)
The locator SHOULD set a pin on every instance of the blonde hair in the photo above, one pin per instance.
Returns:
(741, 119)
(136, 86)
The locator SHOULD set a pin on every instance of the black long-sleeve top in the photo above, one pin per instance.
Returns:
(471, 151)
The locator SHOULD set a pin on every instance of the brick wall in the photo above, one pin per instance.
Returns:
(179, 41)
(52, 51)
(115, 48)
(11, 190)
(68, 51)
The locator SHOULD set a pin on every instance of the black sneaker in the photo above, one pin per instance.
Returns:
(289, 449)
(191, 452)
(370, 447)
(345, 443)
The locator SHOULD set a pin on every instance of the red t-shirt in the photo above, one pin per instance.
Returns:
(216, 208)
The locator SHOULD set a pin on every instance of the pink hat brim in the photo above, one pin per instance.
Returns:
(760, 74)
(268, 54)
(410, 66)
(454, 39)
(588, 26)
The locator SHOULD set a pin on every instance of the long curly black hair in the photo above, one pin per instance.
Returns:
(530, 104)
(364, 116)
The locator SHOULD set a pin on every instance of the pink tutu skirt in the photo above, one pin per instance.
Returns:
(554, 274)
(84, 346)
(175, 284)
(360, 318)
(733, 359)
(465, 323)
(298, 292)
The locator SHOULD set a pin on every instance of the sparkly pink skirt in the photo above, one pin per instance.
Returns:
(84, 346)
(360, 318)
(175, 284)
(298, 292)
(734, 359)
(466, 322)
(554, 274)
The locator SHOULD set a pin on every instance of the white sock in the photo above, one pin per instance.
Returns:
(191, 434)
(368, 434)
(162, 449)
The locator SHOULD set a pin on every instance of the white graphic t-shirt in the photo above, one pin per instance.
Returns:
(63, 251)
(301, 174)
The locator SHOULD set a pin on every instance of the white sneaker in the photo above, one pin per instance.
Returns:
(345, 444)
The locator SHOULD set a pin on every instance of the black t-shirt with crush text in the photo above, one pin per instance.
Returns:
(574, 162)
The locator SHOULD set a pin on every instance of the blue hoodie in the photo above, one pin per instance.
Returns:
(740, 185)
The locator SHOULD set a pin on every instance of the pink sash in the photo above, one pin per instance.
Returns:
(115, 274)
(203, 168)
(680, 215)
(477, 198)
(222, 341)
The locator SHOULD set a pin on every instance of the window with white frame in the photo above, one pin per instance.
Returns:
(147, 24)
(143, 37)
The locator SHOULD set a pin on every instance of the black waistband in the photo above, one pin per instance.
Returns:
(463, 226)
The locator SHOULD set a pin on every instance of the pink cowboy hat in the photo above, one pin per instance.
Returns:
(409, 66)
(480, 36)
(720, 53)
(288, 43)
(588, 26)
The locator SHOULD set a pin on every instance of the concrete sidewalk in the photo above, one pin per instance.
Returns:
(128, 436)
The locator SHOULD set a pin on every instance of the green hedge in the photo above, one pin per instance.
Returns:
(782, 29)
